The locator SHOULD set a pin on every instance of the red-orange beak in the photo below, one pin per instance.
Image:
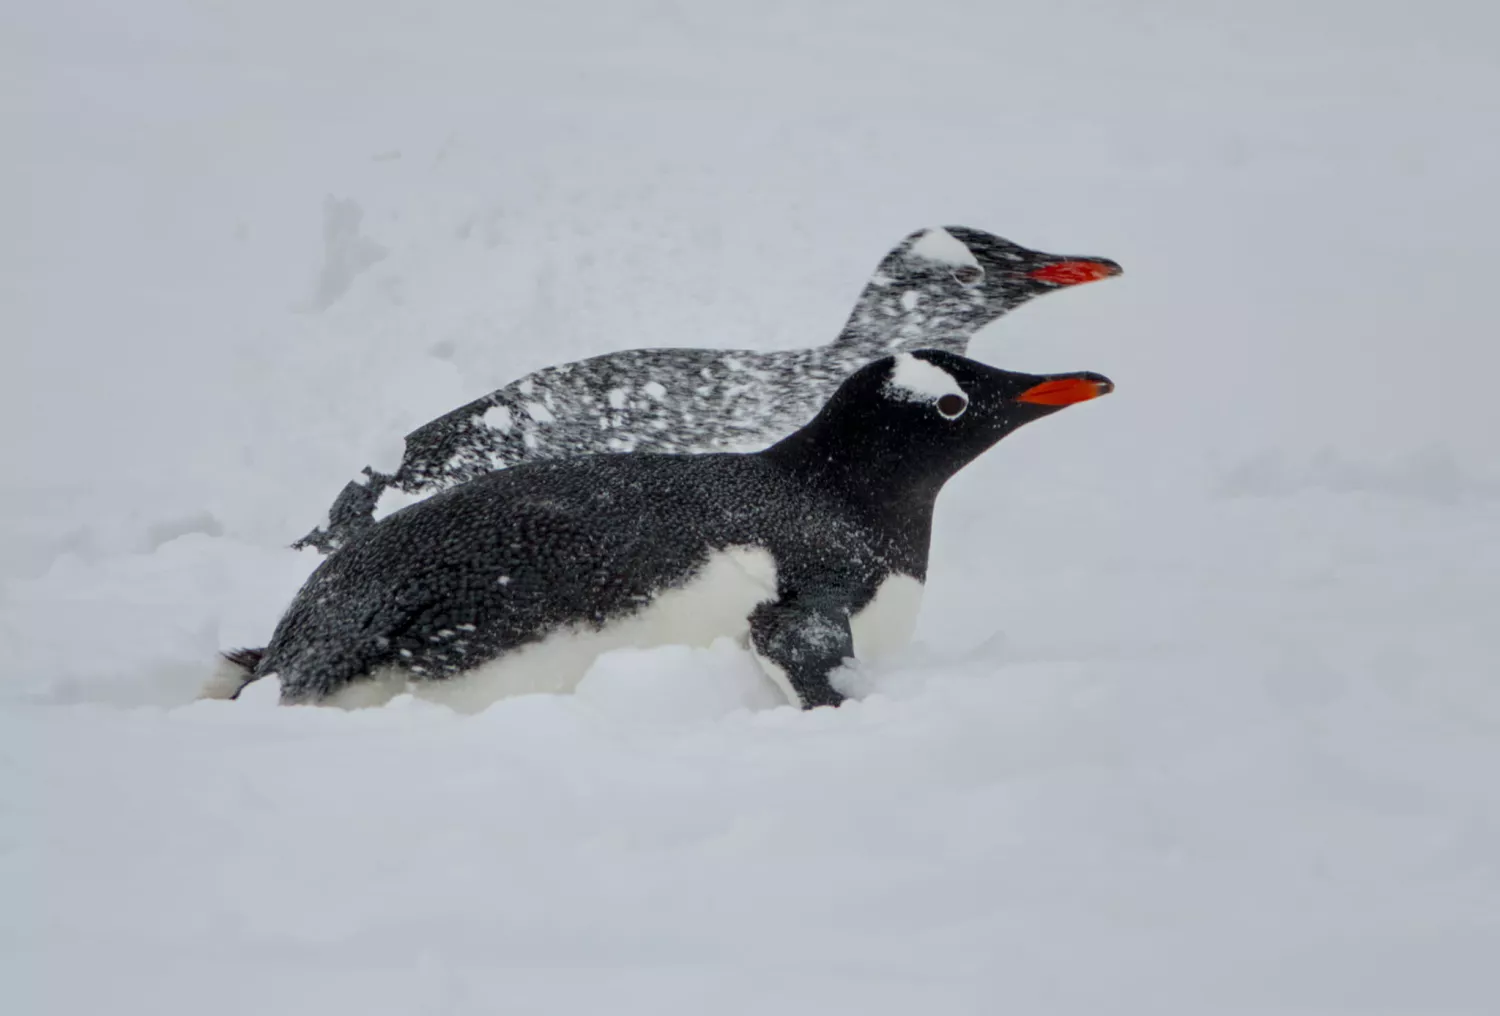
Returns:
(1073, 273)
(1065, 391)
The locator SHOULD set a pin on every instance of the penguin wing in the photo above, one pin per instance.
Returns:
(799, 643)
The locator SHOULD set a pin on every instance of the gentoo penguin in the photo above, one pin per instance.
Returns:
(933, 290)
(813, 550)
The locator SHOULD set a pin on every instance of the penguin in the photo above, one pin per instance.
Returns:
(812, 551)
(935, 289)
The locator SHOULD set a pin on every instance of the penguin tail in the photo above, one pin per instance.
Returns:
(353, 511)
(235, 670)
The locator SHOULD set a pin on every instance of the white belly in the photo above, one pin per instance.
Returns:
(717, 602)
(887, 623)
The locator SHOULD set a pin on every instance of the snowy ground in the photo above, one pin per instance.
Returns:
(1204, 717)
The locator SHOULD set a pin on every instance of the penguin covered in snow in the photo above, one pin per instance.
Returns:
(813, 551)
(934, 290)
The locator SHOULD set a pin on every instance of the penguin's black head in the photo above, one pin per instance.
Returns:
(915, 419)
(988, 269)
(939, 286)
(1007, 272)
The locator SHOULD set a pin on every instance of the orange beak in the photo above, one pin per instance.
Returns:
(1072, 273)
(1066, 391)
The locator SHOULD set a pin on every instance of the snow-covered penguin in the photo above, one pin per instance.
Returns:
(813, 550)
(934, 290)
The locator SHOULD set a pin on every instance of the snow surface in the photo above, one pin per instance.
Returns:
(1203, 714)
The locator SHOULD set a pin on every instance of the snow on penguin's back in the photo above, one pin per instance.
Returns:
(933, 290)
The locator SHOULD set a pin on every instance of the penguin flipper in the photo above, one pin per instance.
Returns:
(799, 643)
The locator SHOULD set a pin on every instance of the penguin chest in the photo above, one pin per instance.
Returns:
(715, 602)
(886, 624)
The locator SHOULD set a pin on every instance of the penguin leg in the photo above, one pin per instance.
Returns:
(799, 643)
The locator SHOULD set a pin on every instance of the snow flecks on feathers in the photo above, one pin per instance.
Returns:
(916, 380)
(818, 632)
(497, 418)
(941, 245)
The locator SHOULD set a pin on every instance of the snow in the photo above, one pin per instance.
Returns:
(387, 457)
(540, 413)
(916, 380)
(346, 253)
(393, 499)
(941, 245)
(1202, 713)
(498, 418)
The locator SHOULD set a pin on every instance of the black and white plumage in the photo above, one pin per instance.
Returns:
(934, 290)
(814, 550)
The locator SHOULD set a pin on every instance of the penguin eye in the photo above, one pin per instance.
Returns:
(968, 275)
(952, 406)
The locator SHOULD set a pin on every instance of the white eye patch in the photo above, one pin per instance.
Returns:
(916, 380)
(942, 246)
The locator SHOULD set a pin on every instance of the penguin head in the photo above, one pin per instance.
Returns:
(939, 286)
(1006, 272)
(962, 275)
(915, 419)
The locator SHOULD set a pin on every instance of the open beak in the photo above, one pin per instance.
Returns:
(1075, 271)
(1064, 391)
